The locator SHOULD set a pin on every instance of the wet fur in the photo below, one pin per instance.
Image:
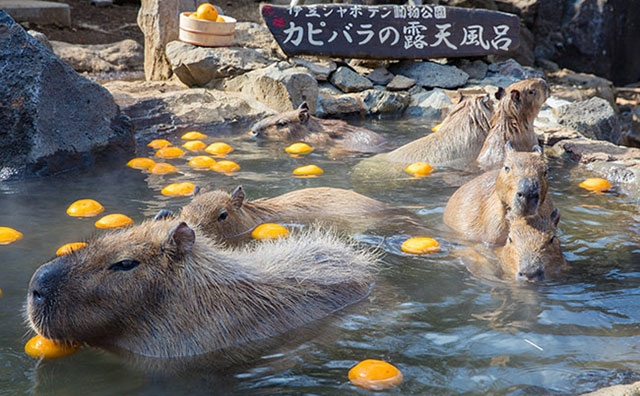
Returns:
(185, 300)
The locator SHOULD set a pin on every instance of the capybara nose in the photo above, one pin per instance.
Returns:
(536, 275)
(45, 282)
(528, 190)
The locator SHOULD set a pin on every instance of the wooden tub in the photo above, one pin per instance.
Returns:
(206, 33)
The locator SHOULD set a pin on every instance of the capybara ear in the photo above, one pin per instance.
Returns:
(508, 148)
(237, 197)
(500, 93)
(303, 114)
(461, 97)
(555, 217)
(163, 214)
(515, 95)
(182, 237)
(304, 106)
(537, 149)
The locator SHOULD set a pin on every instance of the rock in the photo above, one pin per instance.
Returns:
(476, 69)
(279, 86)
(349, 81)
(319, 68)
(380, 76)
(429, 105)
(384, 102)
(589, 84)
(430, 74)
(41, 37)
(339, 105)
(549, 136)
(325, 88)
(368, 63)
(594, 118)
(198, 66)
(547, 65)
(159, 107)
(159, 20)
(101, 58)
(253, 35)
(513, 69)
(526, 9)
(401, 83)
(52, 118)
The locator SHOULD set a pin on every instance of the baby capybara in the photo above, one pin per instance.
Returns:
(513, 121)
(223, 216)
(300, 126)
(532, 250)
(160, 289)
(479, 208)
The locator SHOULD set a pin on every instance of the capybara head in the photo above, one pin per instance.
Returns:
(107, 290)
(532, 250)
(524, 98)
(291, 125)
(523, 181)
(220, 215)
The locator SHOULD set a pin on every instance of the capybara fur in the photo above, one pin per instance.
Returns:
(456, 144)
(300, 126)
(223, 216)
(158, 290)
(479, 208)
(513, 120)
(532, 250)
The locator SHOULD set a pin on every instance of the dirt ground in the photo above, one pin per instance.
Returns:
(101, 25)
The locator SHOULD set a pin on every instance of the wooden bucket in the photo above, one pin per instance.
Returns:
(206, 33)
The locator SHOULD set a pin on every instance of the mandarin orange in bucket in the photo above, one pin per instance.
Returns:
(207, 12)
(375, 375)
(9, 235)
(420, 245)
(115, 220)
(44, 348)
(596, 184)
(159, 143)
(141, 163)
(70, 247)
(85, 208)
(269, 231)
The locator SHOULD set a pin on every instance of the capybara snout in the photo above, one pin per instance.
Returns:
(527, 197)
(45, 282)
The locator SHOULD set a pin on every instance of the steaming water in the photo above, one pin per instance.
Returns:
(447, 330)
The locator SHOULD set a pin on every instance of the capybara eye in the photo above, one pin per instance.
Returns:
(509, 239)
(223, 215)
(282, 124)
(553, 238)
(124, 265)
(532, 91)
(507, 169)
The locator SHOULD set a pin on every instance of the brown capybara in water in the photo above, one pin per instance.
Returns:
(159, 289)
(300, 126)
(223, 216)
(513, 121)
(479, 208)
(532, 250)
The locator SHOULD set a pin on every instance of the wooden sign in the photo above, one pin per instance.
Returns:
(391, 32)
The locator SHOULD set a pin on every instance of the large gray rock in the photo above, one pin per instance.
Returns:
(384, 102)
(198, 66)
(430, 74)
(158, 107)
(589, 85)
(349, 81)
(400, 83)
(41, 37)
(279, 86)
(429, 104)
(511, 68)
(319, 68)
(380, 76)
(594, 118)
(101, 58)
(476, 69)
(52, 118)
(339, 105)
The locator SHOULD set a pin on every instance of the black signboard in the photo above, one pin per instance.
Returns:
(391, 31)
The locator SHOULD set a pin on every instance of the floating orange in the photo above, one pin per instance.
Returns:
(225, 166)
(85, 208)
(596, 184)
(141, 163)
(176, 189)
(435, 128)
(219, 148)
(159, 143)
(375, 375)
(9, 235)
(163, 168)
(70, 247)
(44, 348)
(115, 220)
(419, 169)
(170, 152)
(202, 161)
(195, 145)
(193, 135)
(269, 231)
(299, 148)
(207, 11)
(420, 245)
(308, 170)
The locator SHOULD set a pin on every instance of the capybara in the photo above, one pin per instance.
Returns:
(223, 216)
(479, 208)
(300, 126)
(532, 250)
(456, 144)
(160, 289)
(513, 121)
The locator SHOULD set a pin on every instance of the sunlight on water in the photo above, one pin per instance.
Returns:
(448, 331)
